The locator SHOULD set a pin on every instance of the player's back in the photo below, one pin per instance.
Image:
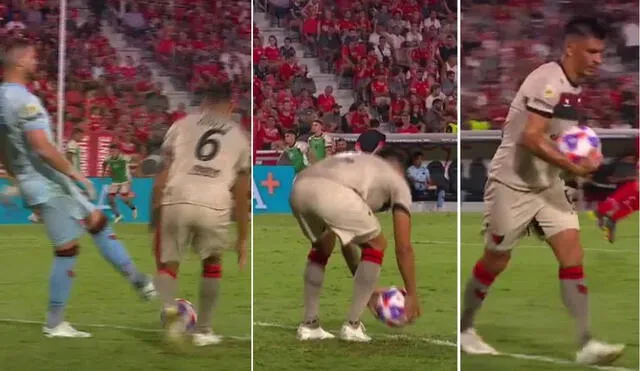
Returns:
(372, 177)
(548, 92)
(209, 151)
(21, 111)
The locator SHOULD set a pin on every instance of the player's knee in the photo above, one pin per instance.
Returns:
(318, 256)
(96, 222)
(495, 261)
(211, 270)
(170, 269)
(68, 250)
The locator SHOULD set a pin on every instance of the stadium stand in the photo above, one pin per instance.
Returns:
(349, 63)
(134, 67)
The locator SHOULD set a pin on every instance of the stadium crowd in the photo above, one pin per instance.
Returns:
(109, 92)
(502, 43)
(398, 57)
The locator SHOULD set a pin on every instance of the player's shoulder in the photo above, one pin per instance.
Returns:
(548, 72)
(17, 96)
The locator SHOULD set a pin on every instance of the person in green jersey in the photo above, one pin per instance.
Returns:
(118, 166)
(294, 151)
(319, 142)
(73, 148)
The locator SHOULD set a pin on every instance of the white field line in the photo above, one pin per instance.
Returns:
(523, 246)
(450, 344)
(110, 326)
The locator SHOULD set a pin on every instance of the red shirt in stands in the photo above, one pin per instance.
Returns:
(287, 119)
(128, 148)
(128, 72)
(287, 71)
(379, 88)
(272, 53)
(177, 115)
(326, 102)
(420, 87)
(410, 129)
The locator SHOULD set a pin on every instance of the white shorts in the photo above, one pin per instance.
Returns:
(182, 226)
(123, 189)
(321, 205)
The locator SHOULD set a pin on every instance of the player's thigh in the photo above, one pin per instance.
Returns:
(303, 195)
(172, 235)
(61, 217)
(507, 215)
(211, 233)
(125, 189)
(114, 188)
(557, 213)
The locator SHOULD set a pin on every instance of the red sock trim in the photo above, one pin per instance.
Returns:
(169, 272)
(372, 255)
(571, 273)
(212, 271)
(483, 275)
(316, 257)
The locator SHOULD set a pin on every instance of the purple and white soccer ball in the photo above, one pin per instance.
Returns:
(578, 142)
(390, 307)
(187, 312)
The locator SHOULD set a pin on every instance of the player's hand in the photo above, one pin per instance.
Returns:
(589, 164)
(411, 308)
(241, 250)
(86, 184)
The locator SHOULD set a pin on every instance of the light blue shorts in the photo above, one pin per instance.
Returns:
(62, 216)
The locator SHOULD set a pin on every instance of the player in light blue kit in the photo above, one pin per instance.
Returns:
(48, 184)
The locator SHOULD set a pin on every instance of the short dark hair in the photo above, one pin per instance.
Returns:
(374, 123)
(586, 27)
(415, 155)
(391, 154)
(218, 93)
(291, 132)
(12, 45)
(113, 146)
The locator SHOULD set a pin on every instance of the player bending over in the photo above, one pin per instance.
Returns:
(525, 189)
(118, 166)
(337, 197)
(47, 183)
(203, 182)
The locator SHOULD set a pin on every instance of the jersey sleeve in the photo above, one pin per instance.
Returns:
(31, 114)
(169, 142)
(400, 195)
(541, 94)
(243, 164)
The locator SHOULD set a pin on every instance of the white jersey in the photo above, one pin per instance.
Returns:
(208, 151)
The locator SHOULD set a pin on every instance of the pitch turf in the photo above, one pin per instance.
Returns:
(523, 312)
(280, 257)
(101, 296)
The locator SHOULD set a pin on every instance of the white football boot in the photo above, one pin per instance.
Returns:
(306, 332)
(472, 343)
(134, 213)
(350, 333)
(201, 340)
(598, 353)
(64, 330)
(117, 219)
(34, 218)
(147, 291)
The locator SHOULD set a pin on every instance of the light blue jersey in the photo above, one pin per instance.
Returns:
(61, 201)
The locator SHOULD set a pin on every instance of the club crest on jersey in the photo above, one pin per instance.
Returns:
(30, 110)
(548, 92)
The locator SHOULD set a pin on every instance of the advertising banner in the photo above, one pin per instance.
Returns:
(271, 189)
(16, 213)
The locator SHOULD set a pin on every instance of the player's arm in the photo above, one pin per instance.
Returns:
(535, 139)
(69, 152)
(3, 151)
(404, 251)
(241, 192)
(540, 107)
(35, 126)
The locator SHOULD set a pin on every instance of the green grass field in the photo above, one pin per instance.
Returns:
(125, 330)
(523, 312)
(280, 257)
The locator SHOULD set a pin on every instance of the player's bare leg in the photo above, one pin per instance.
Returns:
(117, 217)
(209, 291)
(364, 284)
(318, 257)
(569, 253)
(487, 268)
(128, 200)
(351, 254)
(60, 283)
(115, 253)
(166, 284)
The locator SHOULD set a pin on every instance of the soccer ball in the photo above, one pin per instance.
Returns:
(390, 307)
(187, 313)
(578, 142)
